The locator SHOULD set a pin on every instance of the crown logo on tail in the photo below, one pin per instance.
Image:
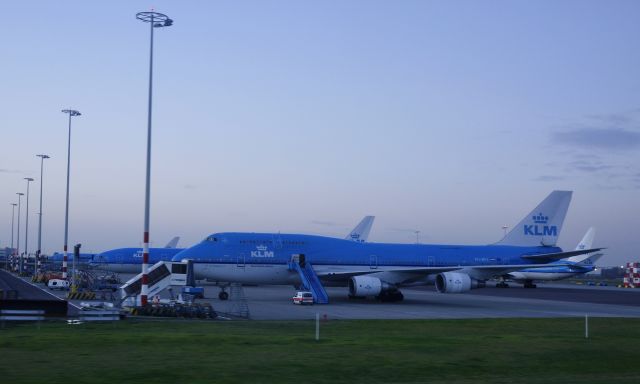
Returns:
(540, 219)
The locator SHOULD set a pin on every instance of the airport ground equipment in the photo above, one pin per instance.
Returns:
(196, 292)
(190, 311)
(303, 297)
(309, 279)
(161, 275)
(240, 307)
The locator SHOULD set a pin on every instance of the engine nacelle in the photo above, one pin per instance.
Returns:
(456, 282)
(367, 286)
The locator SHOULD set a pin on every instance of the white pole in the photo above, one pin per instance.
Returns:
(586, 326)
(317, 326)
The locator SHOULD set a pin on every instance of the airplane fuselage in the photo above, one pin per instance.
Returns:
(262, 258)
(129, 260)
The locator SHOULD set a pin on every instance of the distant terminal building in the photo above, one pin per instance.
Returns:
(612, 272)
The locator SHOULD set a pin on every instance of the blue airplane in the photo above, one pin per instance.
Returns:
(558, 270)
(129, 260)
(57, 258)
(379, 269)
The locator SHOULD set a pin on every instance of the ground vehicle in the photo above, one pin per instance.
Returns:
(58, 284)
(196, 292)
(303, 297)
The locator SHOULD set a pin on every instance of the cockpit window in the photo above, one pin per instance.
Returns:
(211, 238)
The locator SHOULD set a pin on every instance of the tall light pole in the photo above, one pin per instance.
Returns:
(17, 259)
(26, 226)
(155, 20)
(13, 215)
(36, 265)
(71, 113)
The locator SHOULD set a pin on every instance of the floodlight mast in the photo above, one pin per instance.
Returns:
(16, 260)
(26, 230)
(155, 20)
(71, 113)
(39, 251)
(13, 215)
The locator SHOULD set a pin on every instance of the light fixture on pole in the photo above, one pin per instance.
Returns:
(504, 228)
(155, 20)
(18, 257)
(71, 113)
(36, 265)
(13, 215)
(26, 227)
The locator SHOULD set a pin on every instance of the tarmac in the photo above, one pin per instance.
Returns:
(274, 302)
(29, 291)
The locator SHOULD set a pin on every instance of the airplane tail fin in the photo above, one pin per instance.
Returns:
(361, 232)
(541, 226)
(586, 243)
(590, 260)
(173, 243)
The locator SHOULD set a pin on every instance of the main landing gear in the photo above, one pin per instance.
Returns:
(223, 295)
(502, 284)
(529, 284)
(390, 296)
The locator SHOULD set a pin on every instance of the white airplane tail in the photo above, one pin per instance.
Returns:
(541, 226)
(173, 243)
(586, 243)
(361, 232)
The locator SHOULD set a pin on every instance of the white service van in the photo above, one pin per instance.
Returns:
(58, 284)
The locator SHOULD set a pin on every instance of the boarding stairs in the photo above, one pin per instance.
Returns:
(160, 276)
(309, 278)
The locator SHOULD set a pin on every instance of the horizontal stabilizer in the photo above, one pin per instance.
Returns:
(561, 255)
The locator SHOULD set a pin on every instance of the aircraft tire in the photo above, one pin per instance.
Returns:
(223, 296)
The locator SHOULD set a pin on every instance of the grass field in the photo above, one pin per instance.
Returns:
(426, 351)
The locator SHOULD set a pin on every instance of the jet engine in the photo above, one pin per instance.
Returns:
(368, 286)
(456, 282)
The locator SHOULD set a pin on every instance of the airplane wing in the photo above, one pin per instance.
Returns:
(560, 255)
(341, 275)
(411, 273)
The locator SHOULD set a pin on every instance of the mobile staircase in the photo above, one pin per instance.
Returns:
(309, 279)
(161, 275)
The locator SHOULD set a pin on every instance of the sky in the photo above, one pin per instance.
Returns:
(451, 118)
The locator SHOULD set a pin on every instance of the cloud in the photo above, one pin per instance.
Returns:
(546, 178)
(586, 166)
(3, 170)
(190, 186)
(601, 148)
(612, 118)
(599, 138)
(324, 223)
